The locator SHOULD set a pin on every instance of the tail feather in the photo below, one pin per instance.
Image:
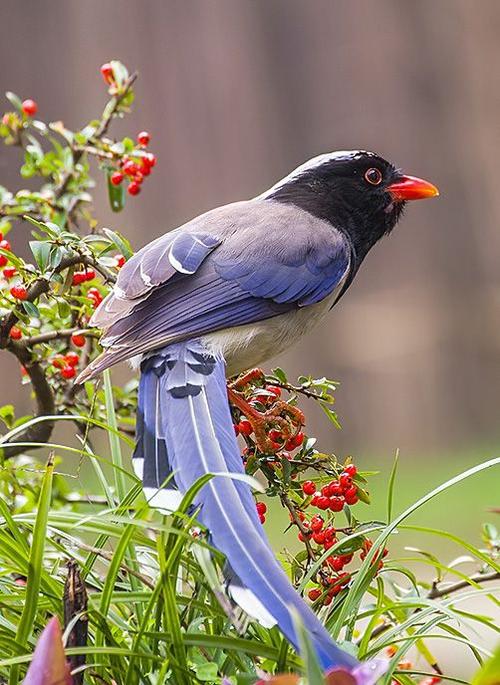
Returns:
(185, 413)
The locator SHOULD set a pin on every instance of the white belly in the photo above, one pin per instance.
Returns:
(244, 347)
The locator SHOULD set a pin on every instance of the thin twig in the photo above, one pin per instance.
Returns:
(59, 334)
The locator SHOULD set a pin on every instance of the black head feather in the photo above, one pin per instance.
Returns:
(334, 187)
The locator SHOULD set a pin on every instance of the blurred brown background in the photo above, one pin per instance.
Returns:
(236, 93)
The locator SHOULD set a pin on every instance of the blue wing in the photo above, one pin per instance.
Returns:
(235, 265)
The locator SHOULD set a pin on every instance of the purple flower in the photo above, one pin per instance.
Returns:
(366, 673)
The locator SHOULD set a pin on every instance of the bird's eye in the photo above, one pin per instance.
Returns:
(374, 176)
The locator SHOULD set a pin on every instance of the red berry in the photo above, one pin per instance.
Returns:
(130, 168)
(309, 487)
(262, 518)
(29, 107)
(295, 441)
(78, 339)
(336, 503)
(3, 261)
(336, 563)
(275, 390)
(72, 358)
(15, 333)
(323, 503)
(351, 495)
(335, 489)
(143, 138)
(95, 296)
(58, 361)
(89, 274)
(19, 292)
(236, 429)
(328, 543)
(4, 244)
(351, 470)
(346, 558)
(120, 260)
(325, 490)
(138, 177)
(330, 533)
(319, 537)
(314, 594)
(150, 159)
(68, 372)
(261, 507)
(133, 188)
(245, 427)
(9, 272)
(116, 178)
(316, 523)
(345, 481)
(276, 435)
(145, 168)
(107, 73)
(78, 277)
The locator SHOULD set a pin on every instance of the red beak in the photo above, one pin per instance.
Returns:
(412, 188)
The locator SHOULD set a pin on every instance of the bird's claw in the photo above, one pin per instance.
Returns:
(287, 418)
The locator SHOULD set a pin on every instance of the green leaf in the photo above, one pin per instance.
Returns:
(31, 309)
(14, 100)
(312, 668)
(7, 414)
(114, 440)
(35, 568)
(116, 194)
(207, 672)
(390, 489)
(121, 243)
(41, 252)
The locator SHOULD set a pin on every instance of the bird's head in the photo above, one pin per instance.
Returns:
(358, 192)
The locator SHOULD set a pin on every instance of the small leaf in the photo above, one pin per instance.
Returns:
(14, 100)
(7, 414)
(121, 243)
(41, 252)
(207, 672)
(31, 309)
(116, 194)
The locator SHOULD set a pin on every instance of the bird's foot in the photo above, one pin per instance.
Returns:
(273, 428)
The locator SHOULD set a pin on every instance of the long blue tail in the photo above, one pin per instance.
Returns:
(184, 429)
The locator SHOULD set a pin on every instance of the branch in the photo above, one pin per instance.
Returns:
(45, 403)
(436, 593)
(59, 334)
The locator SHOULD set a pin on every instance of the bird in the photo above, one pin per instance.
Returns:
(222, 294)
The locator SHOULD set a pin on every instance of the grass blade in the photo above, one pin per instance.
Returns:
(35, 567)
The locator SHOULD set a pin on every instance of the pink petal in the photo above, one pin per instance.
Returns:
(48, 665)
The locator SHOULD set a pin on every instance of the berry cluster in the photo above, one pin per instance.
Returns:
(335, 494)
(138, 163)
(134, 168)
(66, 364)
(83, 276)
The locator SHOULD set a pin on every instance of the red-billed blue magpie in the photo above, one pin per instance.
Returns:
(223, 293)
